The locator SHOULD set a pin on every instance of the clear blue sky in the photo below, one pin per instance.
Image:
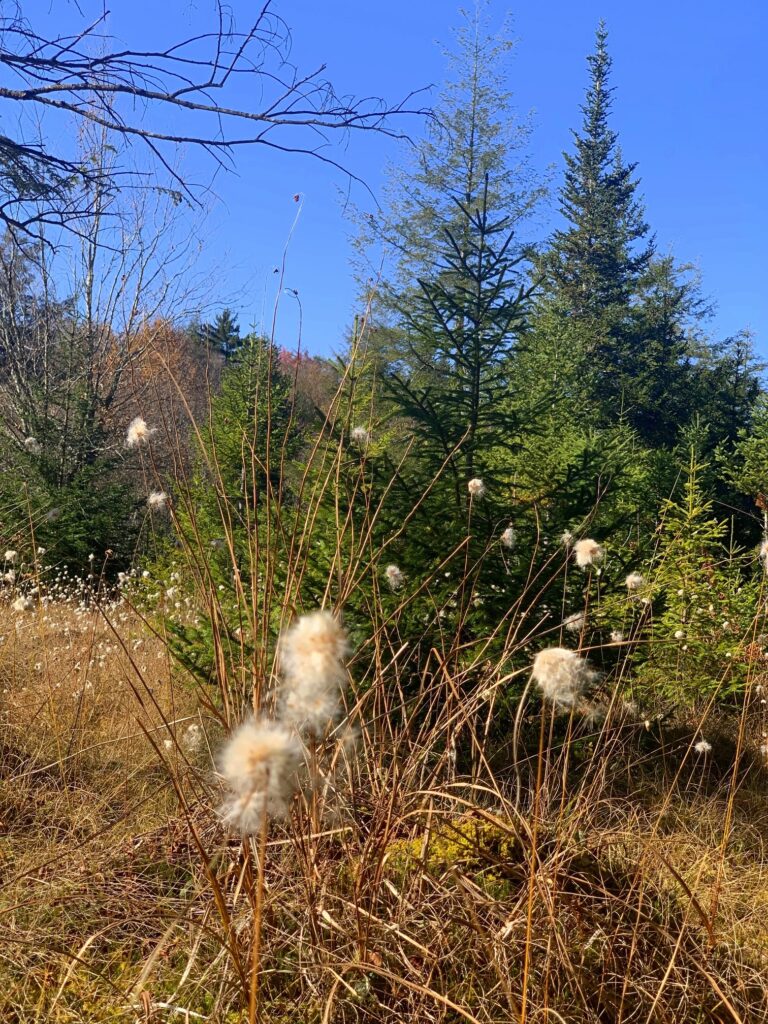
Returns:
(691, 107)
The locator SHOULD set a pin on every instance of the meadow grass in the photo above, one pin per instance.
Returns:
(629, 881)
(470, 832)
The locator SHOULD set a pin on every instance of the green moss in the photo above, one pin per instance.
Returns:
(487, 852)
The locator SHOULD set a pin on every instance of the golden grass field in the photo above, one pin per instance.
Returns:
(631, 883)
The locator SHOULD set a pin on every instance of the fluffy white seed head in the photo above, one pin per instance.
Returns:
(634, 581)
(359, 436)
(574, 623)
(566, 538)
(23, 604)
(156, 500)
(138, 432)
(561, 675)
(587, 552)
(192, 738)
(259, 764)
(312, 654)
(617, 637)
(703, 747)
(11, 556)
(679, 634)
(33, 446)
(394, 577)
(509, 537)
(476, 488)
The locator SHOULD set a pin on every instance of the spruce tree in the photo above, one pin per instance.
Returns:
(222, 335)
(448, 310)
(593, 264)
(592, 267)
(228, 513)
(440, 340)
(475, 151)
(703, 601)
(461, 332)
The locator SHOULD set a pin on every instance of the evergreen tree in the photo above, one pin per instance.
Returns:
(64, 482)
(474, 152)
(250, 431)
(594, 263)
(592, 267)
(447, 316)
(228, 516)
(665, 329)
(461, 333)
(704, 603)
(616, 362)
(222, 336)
(747, 466)
(726, 384)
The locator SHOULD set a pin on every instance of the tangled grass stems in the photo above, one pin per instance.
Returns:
(475, 853)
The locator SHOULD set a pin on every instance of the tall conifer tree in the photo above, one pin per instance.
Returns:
(594, 263)
(475, 152)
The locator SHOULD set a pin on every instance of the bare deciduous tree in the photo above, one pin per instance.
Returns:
(135, 96)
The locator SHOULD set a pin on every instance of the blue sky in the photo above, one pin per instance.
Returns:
(691, 107)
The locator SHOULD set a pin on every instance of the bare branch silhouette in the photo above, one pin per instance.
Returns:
(161, 99)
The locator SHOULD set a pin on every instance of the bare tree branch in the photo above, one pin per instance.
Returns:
(162, 99)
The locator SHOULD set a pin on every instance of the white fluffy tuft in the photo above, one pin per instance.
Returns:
(394, 577)
(156, 500)
(138, 432)
(312, 654)
(509, 537)
(562, 676)
(587, 552)
(259, 764)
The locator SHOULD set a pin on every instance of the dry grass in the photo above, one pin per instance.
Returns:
(455, 860)
(629, 884)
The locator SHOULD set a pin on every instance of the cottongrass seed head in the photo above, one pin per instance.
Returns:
(138, 432)
(23, 604)
(575, 623)
(562, 676)
(476, 488)
(587, 552)
(156, 500)
(11, 556)
(260, 764)
(32, 445)
(193, 738)
(509, 537)
(311, 656)
(566, 538)
(359, 436)
(634, 581)
(394, 577)
(703, 747)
